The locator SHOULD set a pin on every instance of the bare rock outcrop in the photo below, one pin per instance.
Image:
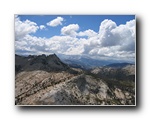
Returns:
(45, 80)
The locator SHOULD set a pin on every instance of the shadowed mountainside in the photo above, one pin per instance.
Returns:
(41, 62)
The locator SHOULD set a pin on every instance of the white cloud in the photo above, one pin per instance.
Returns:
(105, 35)
(42, 27)
(107, 25)
(55, 22)
(89, 33)
(111, 42)
(126, 35)
(115, 42)
(22, 28)
(70, 30)
(112, 35)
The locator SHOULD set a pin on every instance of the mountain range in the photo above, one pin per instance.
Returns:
(86, 63)
(48, 80)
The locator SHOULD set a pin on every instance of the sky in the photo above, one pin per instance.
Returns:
(106, 37)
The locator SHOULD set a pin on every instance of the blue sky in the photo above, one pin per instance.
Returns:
(85, 22)
(106, 37)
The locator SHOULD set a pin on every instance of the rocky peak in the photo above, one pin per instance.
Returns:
(40, 62)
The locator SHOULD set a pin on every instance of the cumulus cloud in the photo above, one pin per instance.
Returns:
(56, 44)
(126, 34)
(70, 30)
(105, 34)
(115, 42)
(55, 22)
(112, 35)
(22, 28)
(42, 27)
(111, 42)
(89, 33)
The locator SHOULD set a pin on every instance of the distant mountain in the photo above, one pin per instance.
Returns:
(86, 63)
(83, 62)
(119, 72)
(118, 65)
(40, 62)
